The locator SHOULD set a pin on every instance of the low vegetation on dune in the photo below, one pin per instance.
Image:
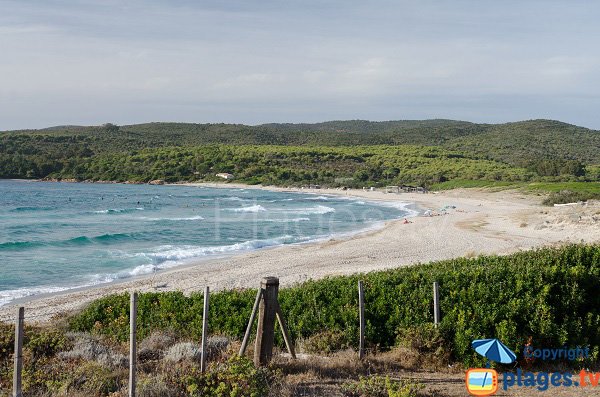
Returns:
(548, 294)
(546, 297)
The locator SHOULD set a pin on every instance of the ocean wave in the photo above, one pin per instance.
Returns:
(17, 245)
(179, 253)
(317, 210)
(288, 220)
(319, 198)
(233, 198)
(119, 210)
(191, 218)
(254, 208)
(19, 293)
(31, 209)
(107, 238)
(399, 205)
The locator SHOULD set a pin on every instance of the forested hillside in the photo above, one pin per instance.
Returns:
(348, 153)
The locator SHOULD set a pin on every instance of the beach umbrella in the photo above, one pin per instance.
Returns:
(494, 350)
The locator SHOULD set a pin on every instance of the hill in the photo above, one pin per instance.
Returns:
(535, 148)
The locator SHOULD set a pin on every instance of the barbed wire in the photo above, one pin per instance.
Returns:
(13, 318)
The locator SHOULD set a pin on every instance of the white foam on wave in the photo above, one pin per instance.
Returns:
(234, 198)
(320, 198)
(288, 220)
(191, 218)
(400, 205)
(253, 208)
(19, 293)
(317, 210)
(168, 256)
(118, 210)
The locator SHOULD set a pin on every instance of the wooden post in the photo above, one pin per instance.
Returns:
(436, 304)
(361, 309)
(250, 322)
(18, 357)
(265, 333)
(132, 342)
(284, 331)
(204, 330)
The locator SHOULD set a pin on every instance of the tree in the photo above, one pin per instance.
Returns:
(110, 127)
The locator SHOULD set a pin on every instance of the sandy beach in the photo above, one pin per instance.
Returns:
(477, 222)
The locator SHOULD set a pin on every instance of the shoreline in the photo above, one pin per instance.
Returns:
(482, 222)
(410, 208)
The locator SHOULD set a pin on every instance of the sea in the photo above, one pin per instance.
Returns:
(58, 236)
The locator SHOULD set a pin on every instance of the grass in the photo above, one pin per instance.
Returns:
(557, 192)
(535, 187)
(466, 184)
(582, 187)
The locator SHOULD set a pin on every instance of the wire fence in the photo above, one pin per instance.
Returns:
(266, 305)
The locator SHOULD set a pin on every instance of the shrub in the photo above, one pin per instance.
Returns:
(155, 387)
(550, 294)
(7, 341)
(46, 343)
(325, 342)
(90, 348)
(93, 379)
(568, 196)
(236, 377)
(184, 351)
(216, 345)
(152, 348)
(427, 340)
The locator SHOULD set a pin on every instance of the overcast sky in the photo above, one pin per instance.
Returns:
(91, 62)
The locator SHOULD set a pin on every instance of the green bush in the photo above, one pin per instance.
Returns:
(326, 342)
(236, 377)
(46, 343)
(568, 196)
(7, 341)
(548, 294)
(93, 379)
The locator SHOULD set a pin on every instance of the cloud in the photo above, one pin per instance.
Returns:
(67, 62)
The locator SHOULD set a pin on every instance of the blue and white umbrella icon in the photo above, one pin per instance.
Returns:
(494, 350)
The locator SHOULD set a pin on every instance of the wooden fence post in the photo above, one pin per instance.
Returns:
(265, 333)
(18, 357)
(250, 322)
(132, 342)
(361, 309)
(436, 304)
(204, 330)
(285, 332)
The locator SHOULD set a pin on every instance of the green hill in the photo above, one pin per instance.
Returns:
(536, 149)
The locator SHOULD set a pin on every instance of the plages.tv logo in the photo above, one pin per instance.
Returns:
(484, 381)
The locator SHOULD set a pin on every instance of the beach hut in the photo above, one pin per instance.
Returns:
(225, 175)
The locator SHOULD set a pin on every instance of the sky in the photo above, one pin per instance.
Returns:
(252, 62)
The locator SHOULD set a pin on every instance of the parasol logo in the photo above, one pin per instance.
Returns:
(484, 381)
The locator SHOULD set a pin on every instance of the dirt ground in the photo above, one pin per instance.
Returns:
(322, 376)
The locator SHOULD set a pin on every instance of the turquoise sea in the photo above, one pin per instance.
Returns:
(58, 236)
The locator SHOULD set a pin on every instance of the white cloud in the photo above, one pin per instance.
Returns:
(88, 62)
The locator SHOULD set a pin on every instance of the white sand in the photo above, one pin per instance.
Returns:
(483, 222)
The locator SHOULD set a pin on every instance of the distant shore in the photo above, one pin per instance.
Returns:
(474, 222)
